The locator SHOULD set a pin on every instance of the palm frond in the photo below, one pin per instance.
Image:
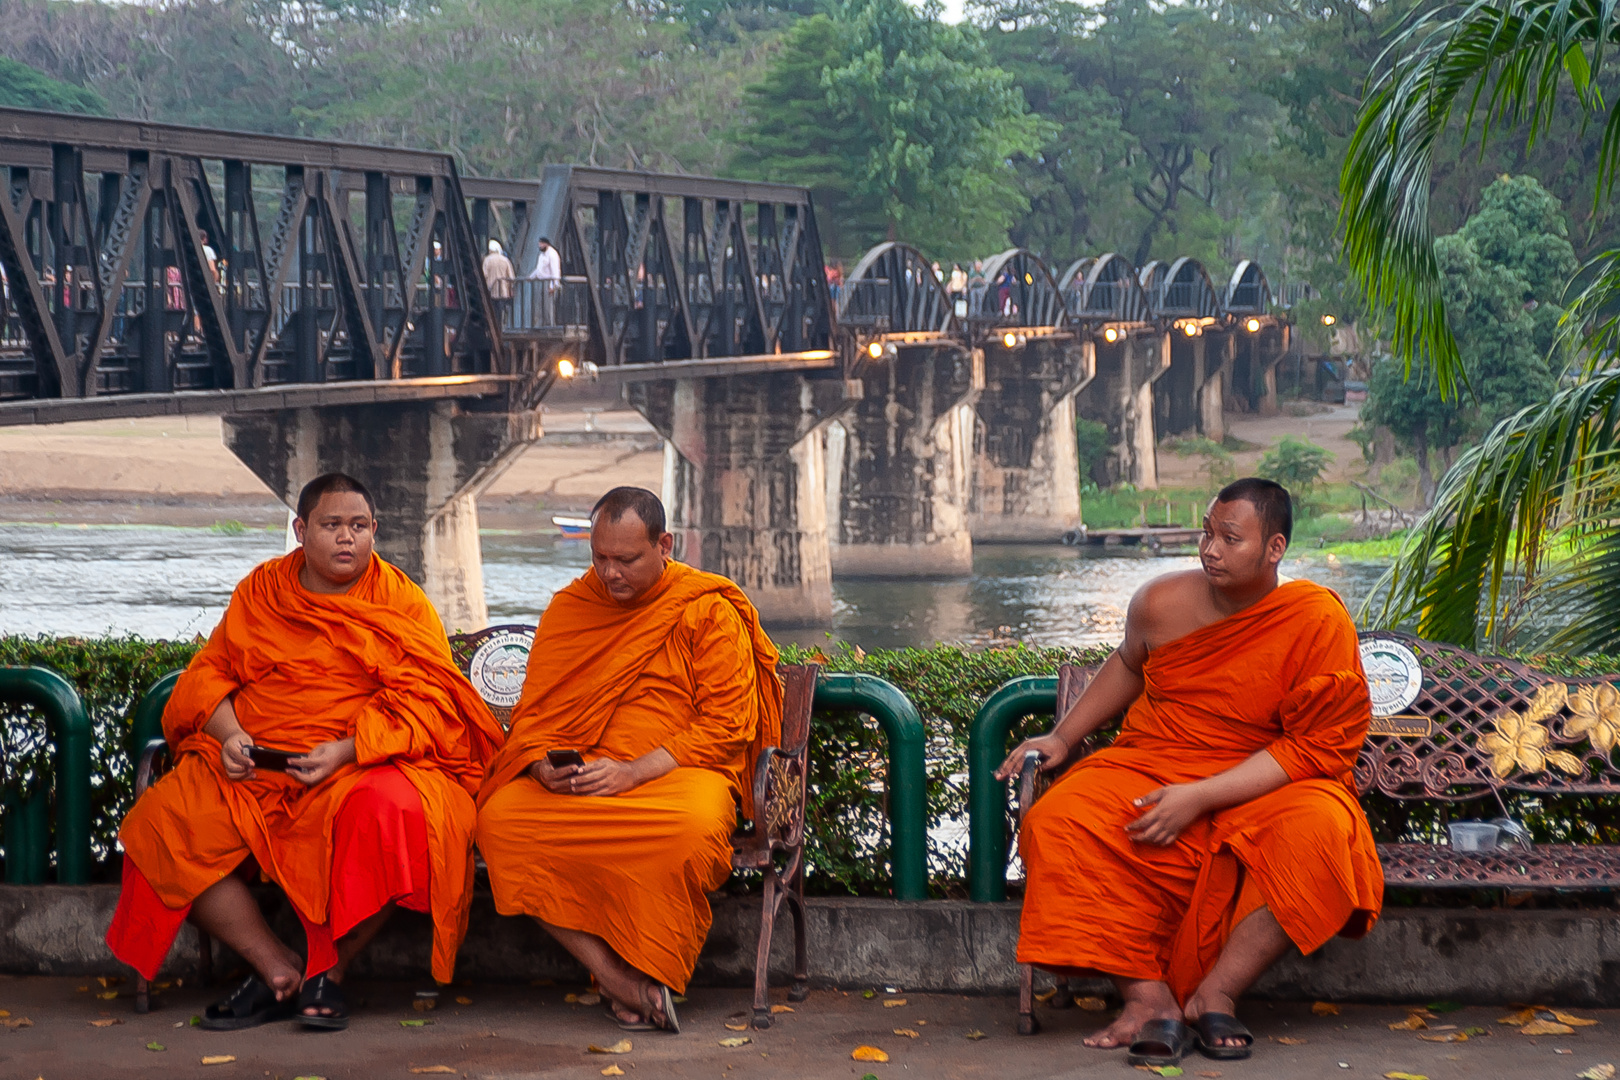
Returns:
(1495, 62)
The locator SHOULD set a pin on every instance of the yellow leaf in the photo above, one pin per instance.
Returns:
(572, 999)
(1445, 1037)
(893, 1003)
(425, 1004)
(1520, 1018)
(908, 1033)
(589, 999)
(620, 1047)
(1404, 1076)
(1572, 1020)
(1597, 1072)
(20, 1022)
(1091, 1004)
(1288, 1040)
(438, 1069)
(108, 1022)
(463, 1001)
(868, 1053)
(1546, 1027)
(741, 1040)
(1325, 1008)
(107, 995)
(7, 1012)
(109, 980)
(781, 1009)
(976, 1035)
(1046, 995)
(219, 1059)
(612, 1070)
(737, 1027)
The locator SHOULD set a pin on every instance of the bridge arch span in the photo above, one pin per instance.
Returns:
(1248, 292)
(1106, 289)
(1184, 291)
(1019, 291)
(893, 290)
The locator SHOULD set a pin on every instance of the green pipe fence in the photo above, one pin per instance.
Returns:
(987, 798)
(68, 728)
(908, 781)
(146, 722)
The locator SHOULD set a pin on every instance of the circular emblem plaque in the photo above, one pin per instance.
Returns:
(498, 667)
(1394, 675)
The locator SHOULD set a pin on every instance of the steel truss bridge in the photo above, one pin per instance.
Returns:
(153, 269)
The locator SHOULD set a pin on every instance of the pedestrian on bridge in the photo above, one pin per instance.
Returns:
(498, 276)
(548, 272)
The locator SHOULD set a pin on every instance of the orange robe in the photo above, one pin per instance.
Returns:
(304, 669)
(687, 668)
(1282, 676)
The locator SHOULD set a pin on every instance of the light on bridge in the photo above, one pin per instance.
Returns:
(1328, 320)
(1110, 335)
(565, 368)
(1253, 326)
(1009, 340)
(1190, 329)
(875, 350)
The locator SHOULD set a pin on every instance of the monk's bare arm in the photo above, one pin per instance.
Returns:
(233, 741)
(1171, 809)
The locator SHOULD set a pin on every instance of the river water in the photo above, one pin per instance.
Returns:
(162, 582)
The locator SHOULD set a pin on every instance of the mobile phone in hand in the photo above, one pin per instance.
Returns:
(558, 758)
(271, 760)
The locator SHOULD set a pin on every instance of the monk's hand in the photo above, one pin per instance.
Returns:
(1053, 750)
(554, 779)
(233, 755)
(321, 762)
(1169, 811)
(604, 776)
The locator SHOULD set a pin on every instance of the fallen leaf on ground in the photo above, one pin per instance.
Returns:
(590, 999)
(868, 1053)
(572, 999)
(893, 1003)
(620, 1047)
(108, 1022)
(424, 1004)
(196, 1021)
(1288, 1040)
(679, 999)
(1597, 1072)
(463, 1001)
(1443, 1006)
(908, 1033)
(7, 1012)
(1091, 1004)
(107, 995)
(440, 1069)
(414, 1023)
(1046, 995)
(20, 1022)
(1572, 1020)
(1546, 1027)
(612, 1070)
(1404, 1076)
(1447, 1037)
(1325, 1008)
(921, 1022)
(109, 980)
(81, 989)
(1414, 1022)
(736, 1040)
(781, 1009)
(868, 994)
(1518, 1019)
(219, 1059)
(156, 1047)
(736, 1027)
(1162, 1070)
(976, 1035)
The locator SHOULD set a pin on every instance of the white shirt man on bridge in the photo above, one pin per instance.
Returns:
(547, 269)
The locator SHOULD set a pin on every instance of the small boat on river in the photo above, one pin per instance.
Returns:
(573, 528)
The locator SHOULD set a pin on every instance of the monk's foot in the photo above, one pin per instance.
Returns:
(1122, 1032)
(281, 971)
(1213, 1001)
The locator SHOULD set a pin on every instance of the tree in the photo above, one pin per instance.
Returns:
(22, 87)
(1297, 464)
(912, 125)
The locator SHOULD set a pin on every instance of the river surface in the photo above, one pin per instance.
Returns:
(162, 582)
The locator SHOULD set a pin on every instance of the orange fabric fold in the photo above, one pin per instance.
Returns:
(1283, 676)
(303, 669)
(686, 668)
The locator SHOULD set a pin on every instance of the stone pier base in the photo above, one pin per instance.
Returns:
(1121, 397)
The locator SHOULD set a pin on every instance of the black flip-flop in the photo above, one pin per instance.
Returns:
(249, 1005)
(322, 992)
(666, 1001)
(1213, 1027)
(1160, 1043)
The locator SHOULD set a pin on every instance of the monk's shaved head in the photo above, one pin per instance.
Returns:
(1270, 500)
(632, 500)
(326, 484)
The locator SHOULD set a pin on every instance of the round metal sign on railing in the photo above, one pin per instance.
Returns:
(1394, 675)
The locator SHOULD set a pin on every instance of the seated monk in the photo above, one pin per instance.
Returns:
(336, 656)
(659, 677)
(1222, 824)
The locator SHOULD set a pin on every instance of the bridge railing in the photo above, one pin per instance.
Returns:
(548, 307)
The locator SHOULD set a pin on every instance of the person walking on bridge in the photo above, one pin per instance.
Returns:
(498, 276)
(548, 272)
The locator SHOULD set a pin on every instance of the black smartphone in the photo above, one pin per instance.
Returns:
(558, 758)
(273, 760)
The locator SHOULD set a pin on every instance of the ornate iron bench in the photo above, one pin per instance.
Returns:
(495, 660)
(1449, 726)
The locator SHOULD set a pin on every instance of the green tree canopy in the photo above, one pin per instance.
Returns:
(22, 87)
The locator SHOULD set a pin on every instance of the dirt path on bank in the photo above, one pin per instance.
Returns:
(1328, 426)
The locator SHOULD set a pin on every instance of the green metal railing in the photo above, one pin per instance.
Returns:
(908, 781)
(146, 722)
(27, 835)
(987, 798)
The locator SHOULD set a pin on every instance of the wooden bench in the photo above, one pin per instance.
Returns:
(1448, 726)
(771, 845)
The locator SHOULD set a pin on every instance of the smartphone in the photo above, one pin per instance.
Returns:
(558, 758)
(272, 760)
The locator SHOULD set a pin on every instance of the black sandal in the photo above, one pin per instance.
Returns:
(322, 992)
(249, 1005)
(1213, 1027)
(1160, 1043)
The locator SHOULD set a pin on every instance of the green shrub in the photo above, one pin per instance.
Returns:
(1093, 447)
(1297, 465)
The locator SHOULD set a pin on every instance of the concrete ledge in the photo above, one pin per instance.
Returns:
(1468, 956)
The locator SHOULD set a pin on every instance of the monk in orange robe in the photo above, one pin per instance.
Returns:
(657, 680)
(1222, 825)
(336, 656)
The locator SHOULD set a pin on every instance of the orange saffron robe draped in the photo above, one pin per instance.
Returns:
(303, 669)
(1284, 676)
(687, 668)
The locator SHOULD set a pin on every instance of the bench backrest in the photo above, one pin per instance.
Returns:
(1450, 724)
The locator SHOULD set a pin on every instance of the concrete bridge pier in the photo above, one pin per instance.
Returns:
(1121, 397)
(745, 482)
(900, 467)
(1188, 399)
(426, 464)
(1253, 366)
(1026, 474)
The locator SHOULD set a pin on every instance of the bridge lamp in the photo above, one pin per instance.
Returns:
(565, 368)
(1009, 340)
(875, 350)
(1253, 326)
(1328, 320)
(1110, 335)
(1190, 329)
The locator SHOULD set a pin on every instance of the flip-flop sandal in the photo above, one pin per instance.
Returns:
(249, 1005)
(1213, 1027)
(322, 992)
(1160, 1043)
(638, 1024)
(672, 1023)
